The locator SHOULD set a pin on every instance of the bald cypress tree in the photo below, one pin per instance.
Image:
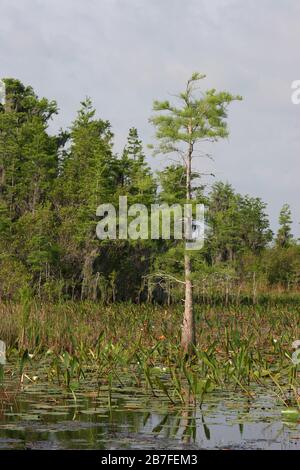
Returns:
(136, 178)
(284, 234)
(28, 154)
(180, 128)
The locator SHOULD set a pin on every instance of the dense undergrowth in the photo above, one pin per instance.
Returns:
(238, 346)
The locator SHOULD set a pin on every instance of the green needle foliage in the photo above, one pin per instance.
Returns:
(180, 129)
(51, 185)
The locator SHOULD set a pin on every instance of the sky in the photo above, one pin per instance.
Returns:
(126, 53)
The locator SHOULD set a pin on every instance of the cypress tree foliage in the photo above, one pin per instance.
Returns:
(136, 179)
(87, 178)
(28, 170)
(254, 227)
(28, 155)
(284, 234)
(51, 185)
(134, 147)
(238, 224)
(87, 170)
(173, 184)
(179, 129)
(223, 220)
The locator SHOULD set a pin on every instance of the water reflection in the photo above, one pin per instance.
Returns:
(48, 418)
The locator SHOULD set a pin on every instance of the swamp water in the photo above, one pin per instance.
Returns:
(45, 416)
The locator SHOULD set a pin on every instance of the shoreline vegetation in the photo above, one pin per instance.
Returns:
(87, 309)
(51, 186)
(76, 342)
(34, 324)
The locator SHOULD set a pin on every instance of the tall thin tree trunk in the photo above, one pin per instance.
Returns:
(188, 336)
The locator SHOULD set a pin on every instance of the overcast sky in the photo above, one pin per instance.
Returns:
(125, 53)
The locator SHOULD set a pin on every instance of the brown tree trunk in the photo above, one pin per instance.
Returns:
(188, 336)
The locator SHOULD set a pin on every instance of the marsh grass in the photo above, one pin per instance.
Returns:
(125, 345)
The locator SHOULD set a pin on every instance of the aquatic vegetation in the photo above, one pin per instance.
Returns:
(125, 345)
(126, 360)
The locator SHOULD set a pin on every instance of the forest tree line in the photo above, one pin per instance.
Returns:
(51, 185)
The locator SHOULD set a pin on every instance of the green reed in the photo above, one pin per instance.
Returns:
(126, 344)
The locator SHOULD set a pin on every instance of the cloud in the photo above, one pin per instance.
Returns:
(125, 53)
